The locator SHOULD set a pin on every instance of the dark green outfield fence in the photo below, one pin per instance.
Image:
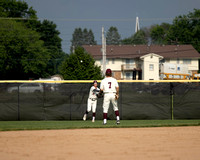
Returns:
(68, 100)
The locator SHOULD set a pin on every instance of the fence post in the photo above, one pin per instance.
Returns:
(172, 100)
(44, 109)
(70, 116)
(120, 95)
(18, 107)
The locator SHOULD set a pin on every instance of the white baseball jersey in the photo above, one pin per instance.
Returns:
(109, 84)
(92, 99)
(93, 92)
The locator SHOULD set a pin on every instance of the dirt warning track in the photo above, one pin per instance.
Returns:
(166, 143)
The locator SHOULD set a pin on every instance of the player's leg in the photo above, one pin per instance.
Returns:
(89, 103)
(115, 108)
(106, 103)
(94, 106)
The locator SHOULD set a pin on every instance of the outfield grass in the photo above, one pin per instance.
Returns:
(48, 125)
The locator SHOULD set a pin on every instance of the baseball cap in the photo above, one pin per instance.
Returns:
(109, 72)
(94, 82)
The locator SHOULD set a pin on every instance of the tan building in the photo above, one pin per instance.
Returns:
(151, 66)
(142, 61)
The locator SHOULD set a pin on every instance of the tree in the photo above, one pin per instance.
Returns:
(112, 36)
(19, 9)
(52, 41)
(16, 9)
(85, 36)
(186, 30)
(82, 37)
(80, 66)
(91, 39)
(22, 53)
(77, 38)
(159, 32)
(46, 31)
(137, 38)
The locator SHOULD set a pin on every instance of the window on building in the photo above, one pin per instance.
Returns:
(129, 61)
(113, 61)
(187, 61)
(113, 74)
(101, 61)
(107, 61)
(162, 61)
(128, 75)
(151, 67)
(178, 61)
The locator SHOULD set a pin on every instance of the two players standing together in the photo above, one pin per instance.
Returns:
(110, 88)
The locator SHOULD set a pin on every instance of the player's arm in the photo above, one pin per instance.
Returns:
(101, 91)
(95, 91)
(117, 92)
(101, 88)
(100, 95)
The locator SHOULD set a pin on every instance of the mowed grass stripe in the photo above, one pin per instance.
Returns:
(49, 125)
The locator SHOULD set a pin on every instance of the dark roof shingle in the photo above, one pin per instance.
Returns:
(136, 51)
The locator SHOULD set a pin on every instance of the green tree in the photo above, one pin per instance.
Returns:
(16, 9)
(158, 33)
(82, 37)
(80, 66)
(186, 30)
(19, 9)
(137, 38)
(49, 35)
(52, 41)
(112, 36)
(85, 36)
(22, 53)
(91, 40)
(77, 39)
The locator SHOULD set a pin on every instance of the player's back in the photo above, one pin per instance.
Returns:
(109, 84)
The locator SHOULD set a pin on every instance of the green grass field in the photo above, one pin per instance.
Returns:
(49, 125)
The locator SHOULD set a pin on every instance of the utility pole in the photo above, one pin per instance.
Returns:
(137, 25)
(103, 51)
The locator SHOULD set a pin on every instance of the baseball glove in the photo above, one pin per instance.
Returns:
(100, 95)
(117, 96)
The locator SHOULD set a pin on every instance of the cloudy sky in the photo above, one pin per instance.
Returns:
(93, 14)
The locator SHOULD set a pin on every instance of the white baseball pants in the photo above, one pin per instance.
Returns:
(91, 105)
(109, 97)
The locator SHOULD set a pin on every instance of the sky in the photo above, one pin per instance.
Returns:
(95, 14)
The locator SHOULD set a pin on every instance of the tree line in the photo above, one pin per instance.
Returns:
(31, 49)
(184, 29)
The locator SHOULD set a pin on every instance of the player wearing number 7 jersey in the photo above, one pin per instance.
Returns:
(110, 87)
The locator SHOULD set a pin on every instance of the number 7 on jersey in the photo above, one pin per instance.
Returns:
(109, 84)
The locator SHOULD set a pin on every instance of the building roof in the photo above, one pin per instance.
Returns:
(151, 55)
(136, 51)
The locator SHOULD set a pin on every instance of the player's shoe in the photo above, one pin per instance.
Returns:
(118, 122)
(84, 117)
(104, 123)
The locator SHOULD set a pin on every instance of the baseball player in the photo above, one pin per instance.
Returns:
(92, 101)
(110, 87)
